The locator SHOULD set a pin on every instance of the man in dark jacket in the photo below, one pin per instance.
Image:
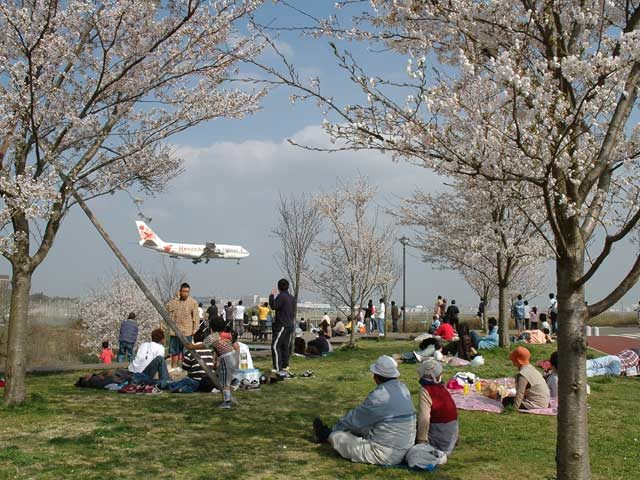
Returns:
(282, 303)
(127, 338)
(395, 315)
(453, 315)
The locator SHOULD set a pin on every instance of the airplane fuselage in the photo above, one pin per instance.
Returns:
(196, 253)
(193, 251)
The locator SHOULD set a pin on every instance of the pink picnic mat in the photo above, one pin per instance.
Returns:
(478, 402)
(551, 410)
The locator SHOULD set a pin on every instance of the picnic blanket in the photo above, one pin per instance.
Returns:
(551, 410)
(478, 402)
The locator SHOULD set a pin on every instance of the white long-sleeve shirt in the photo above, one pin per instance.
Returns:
(382, 311)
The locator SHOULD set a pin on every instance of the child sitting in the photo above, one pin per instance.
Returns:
(543, 322)
(107, 355)
(437, 354)
(552, 379)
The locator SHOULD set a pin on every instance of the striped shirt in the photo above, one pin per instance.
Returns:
(193, 368)
(219, 345)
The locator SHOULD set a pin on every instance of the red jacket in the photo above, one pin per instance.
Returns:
(443, 408)
(445, 331)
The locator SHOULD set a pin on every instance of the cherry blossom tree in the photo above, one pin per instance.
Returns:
(89, 93)
(480, 233)
(103, 310)
(355, 258)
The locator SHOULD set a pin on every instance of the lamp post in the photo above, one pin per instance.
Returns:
(404, 241)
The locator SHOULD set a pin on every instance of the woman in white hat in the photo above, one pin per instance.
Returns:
(437, 413)
(382, 429)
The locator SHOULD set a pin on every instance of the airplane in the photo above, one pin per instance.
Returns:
(196, 253)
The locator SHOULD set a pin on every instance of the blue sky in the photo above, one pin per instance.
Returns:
(234, 171)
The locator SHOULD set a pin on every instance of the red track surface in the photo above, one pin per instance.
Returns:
(612, 345)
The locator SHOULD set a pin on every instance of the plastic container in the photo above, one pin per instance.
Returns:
(478, 386)
(243, 361)
(465, 389)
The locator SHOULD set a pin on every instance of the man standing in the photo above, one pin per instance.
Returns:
(238, 318)
(127, 338)
(395, 316)
(282, 303)
(553, 312)
(518, 313)
(382, 429)
(382, 311)
(184, 313)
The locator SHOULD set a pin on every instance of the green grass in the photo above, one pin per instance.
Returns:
(65, 432)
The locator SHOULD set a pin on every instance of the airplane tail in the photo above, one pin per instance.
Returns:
(148, 238)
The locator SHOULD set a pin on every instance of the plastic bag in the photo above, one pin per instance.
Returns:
(425, 457)
(477, 361)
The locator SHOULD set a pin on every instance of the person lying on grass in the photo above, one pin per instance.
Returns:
(622, 363)
(382, 429)
(225, 350)
(531, 389)
(437, 412)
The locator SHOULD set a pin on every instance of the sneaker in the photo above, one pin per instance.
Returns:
(307, 374)
(215, 390)
(419, 358)
(225, 405)
(320, 431)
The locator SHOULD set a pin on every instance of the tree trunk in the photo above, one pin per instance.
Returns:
(573, 434)
(503, 315)
(352, 337)
(15, 389)
(296, 292)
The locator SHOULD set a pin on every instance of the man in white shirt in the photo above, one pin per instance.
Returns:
(553, 312)
(149, 361)
(381, 318)
(527, 315)
(238, 318)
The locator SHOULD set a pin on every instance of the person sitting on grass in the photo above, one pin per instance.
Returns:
(319, 345)
(531, 390)
(299, 345)
(149, 362)
(339, 330)
(227, 361)
(196, 379)
(325, 327)
(107, 355)
(437, 413)
(552, 379)
(489, 341)
(382, 429)
(445, 331)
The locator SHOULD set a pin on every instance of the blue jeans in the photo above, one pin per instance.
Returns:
(186, 385)
(125, 351)
(380, 322)
(608, 365)
(157, 366)
(475, 338)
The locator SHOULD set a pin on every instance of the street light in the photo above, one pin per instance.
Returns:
(404, 241)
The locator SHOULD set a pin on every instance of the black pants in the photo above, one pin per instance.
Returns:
(395, 324)
(280, 347)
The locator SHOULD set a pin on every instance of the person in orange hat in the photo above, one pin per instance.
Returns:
(531, 389)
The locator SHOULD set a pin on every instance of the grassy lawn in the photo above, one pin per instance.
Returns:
(65, 432)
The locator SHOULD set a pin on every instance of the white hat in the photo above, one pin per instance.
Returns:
(386, 367)
(430, 368)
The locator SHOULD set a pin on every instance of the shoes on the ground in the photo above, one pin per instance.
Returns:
(225, 405)
(129, 388)
(215, 390)
(320, 431)
(419, 358)
(307, 374)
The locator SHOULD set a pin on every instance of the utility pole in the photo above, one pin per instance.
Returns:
(404, 241)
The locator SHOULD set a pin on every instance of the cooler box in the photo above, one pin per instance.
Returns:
(250, 374)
